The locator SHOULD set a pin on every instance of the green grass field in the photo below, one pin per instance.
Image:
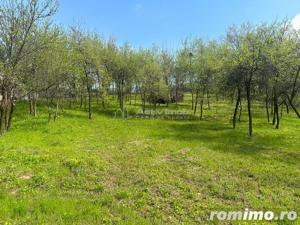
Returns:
(145, 171)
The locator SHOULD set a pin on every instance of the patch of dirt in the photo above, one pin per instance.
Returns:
(110, 182)
(26, 176)
(166, 158)
(135, 143)
(14, 192)
(184, 151)
(173, 157)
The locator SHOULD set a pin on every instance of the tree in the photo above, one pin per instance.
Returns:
(17, 22)
(247, 47)
(150, 80)
(86, 48)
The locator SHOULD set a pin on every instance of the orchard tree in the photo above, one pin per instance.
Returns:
(17, 22)
(86, 52)
(246, 45)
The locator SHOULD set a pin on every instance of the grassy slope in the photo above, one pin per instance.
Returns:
(138, 171)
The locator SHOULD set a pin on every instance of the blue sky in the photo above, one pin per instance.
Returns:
(167, 22)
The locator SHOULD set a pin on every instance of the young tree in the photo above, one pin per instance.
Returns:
(245, 42)
(17, 21)
(86, 52)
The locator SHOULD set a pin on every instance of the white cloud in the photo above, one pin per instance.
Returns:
(296, 22)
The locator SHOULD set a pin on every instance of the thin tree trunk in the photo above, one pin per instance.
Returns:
(81, 100)
(277, 117)
(249, 109)
(287, 107)
(272, 107)
(3, 112)
(90, 104)
(276, 110)
(56, 111)
(201, 105)
(30, 104)
(236, 108)
(208, 100)
(143, 99)
(2, 119)
(293, 107)
(217, 101)
(192, 100)
(34, 106)
(201, 108)
(97, 97)
(267, 107)
(241, 109)
(196, 102)
(62, 105)
(49, 109)
(12, 108)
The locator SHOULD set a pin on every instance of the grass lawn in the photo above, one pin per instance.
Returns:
(145, 171)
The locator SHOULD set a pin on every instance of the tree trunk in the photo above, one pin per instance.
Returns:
(272, 107)
(97, 97)
(81, 100)
(11, 111)
(121, 96)
(2, 119)
(217, 101)
(208, 100)
(293, 107)
(267, 108)
(236, 108)
(56, 112)
(143, 102)
(30, 104)
(196, 102)
(34, 106)
(130, 98)
(49, 109)
(202, 101)
(201, 108)
(90, 103)
(192, 100)
(62, 105)
(241, 109)
(287, 107)
(295, 110)
(277, 117)
(84, 103)
(276, 111)
(3, 109)
(248, 88)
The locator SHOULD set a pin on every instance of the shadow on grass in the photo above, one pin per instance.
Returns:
(107, 112)
(221, 137)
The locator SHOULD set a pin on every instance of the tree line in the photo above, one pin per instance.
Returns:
(40, 61)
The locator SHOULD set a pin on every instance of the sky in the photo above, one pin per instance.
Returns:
(166, 23)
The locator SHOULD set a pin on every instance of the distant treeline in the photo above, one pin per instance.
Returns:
(39, 60)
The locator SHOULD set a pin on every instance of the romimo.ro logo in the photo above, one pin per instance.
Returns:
(249, 215)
